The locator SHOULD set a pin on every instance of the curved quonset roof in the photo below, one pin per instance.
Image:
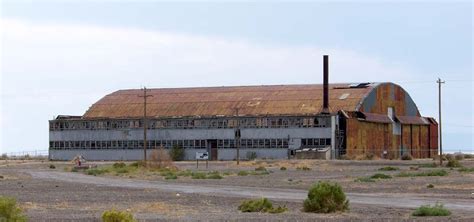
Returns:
(224, 101)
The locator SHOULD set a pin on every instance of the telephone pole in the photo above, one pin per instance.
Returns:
(439, 124)
(145, 124)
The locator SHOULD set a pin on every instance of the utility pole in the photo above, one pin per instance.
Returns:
(439, 124)
(145, 124)
(237, 136)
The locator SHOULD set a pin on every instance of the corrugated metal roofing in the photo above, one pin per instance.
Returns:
(223, 101)
(415, 120)
(378, 118)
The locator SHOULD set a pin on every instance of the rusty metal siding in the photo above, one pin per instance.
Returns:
(369, 138)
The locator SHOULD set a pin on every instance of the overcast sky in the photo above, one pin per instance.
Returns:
(61, 57)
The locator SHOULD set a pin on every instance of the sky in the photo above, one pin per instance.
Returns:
(59, 57)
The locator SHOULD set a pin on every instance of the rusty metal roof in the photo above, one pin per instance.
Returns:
(378, 118)
(415, 120)
(223, 101)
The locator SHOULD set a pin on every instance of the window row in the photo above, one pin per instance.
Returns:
(315, 142)
(167, 144)
(220, 123)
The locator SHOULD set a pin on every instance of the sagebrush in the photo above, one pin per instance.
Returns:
(117, 216)
(325, 197)
(427, 210)
(9, 210)
(260, 205)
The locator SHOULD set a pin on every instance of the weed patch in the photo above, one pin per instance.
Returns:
(96, 171)
(243, 173)
(424, 174)
(260, 205)
(389, 168)
(430, 186)
(428, 165)
(304, 168)
(52, 166)
(282, 168)
(453, 163)
(116, 216)
(427, 210)
(465, 169)
(260, 168)
(381, 176)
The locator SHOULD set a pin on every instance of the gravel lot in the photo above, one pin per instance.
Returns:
(56, 195)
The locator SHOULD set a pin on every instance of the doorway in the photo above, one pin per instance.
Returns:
(212, 145)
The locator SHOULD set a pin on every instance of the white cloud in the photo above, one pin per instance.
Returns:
(51, 69)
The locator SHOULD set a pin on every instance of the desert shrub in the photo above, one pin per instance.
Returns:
(185, 173)
(427, 210)
(282, 168)
(468, 156)
(465, 169)
(9, 211)
(160, 158)
(260, 168)
(214, 175)
(251, 155)
(119, 165)
(198, 175)
(96, 171)
(364, 180)
(424, 174)
(139, 163)
(117, 216)
(260, 205)
(243, 173)
(430, 186)
(177, 153)
(388, 168)
(406, 156)
(304, 168)
(4, 157)
(380, 176)
(263, 172)
(453, 163)
(325, 197)
(52, 166)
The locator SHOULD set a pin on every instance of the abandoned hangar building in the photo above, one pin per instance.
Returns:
(379, 119)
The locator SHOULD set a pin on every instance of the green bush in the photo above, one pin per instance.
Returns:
(243, 173)
(96, 171)
(427, 210)
(177, 153)
(468, 156)
(260, 205)
(251, 155)
(171, 177)
(325, 197)
(282, 168)
(388, 168)
(430, 186)
(380, 176)
(52, 166)
(465, 169)
(453, 163)
(198, 175)
(9, 211)
(117, 216)
(214, 175)
(119, 165)
(428, 165)
(122, 170)
(406, 156)
(424, 174)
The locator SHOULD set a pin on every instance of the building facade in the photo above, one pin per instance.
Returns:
(379, 119)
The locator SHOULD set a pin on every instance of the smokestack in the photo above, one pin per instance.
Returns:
(325, 84)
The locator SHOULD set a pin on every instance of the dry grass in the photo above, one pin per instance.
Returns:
(160, 158)
(172, 210)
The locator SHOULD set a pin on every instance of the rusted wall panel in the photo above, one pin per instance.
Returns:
(370, 138)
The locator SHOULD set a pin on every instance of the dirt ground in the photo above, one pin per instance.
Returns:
(60, 195)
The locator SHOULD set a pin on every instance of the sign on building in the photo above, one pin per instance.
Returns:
(202, 155)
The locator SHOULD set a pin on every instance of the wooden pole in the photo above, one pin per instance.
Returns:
(439, 124)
